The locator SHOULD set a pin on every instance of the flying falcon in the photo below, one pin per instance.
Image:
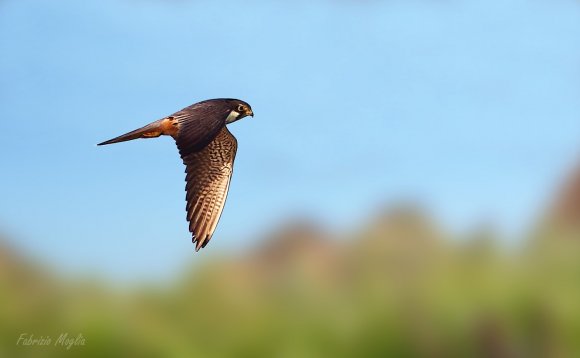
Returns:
(207, 149)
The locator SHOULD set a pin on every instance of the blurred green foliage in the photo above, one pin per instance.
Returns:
(400, 287)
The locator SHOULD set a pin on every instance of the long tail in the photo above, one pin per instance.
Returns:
(151, 130)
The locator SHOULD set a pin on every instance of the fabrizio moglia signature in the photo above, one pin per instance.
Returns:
(63, 340)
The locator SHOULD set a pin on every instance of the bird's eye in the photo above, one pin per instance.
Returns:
(240, 108)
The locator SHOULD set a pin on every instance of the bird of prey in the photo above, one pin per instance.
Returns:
(207, 149)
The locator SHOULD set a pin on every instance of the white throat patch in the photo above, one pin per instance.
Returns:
(232, 117)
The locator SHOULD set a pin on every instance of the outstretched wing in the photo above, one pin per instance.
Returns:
(199, 124)
(208, 178)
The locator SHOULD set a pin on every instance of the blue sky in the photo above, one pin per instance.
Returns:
(468, 107)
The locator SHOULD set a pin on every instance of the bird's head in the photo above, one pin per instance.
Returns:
(238, 110)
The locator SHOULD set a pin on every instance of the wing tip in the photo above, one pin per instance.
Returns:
(197, 242)
(200, 243)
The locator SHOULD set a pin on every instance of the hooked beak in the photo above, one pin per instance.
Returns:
(251, 113)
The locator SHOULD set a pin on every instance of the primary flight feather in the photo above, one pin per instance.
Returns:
(208, 150)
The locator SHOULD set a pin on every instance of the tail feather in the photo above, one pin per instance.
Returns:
(151, 130)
